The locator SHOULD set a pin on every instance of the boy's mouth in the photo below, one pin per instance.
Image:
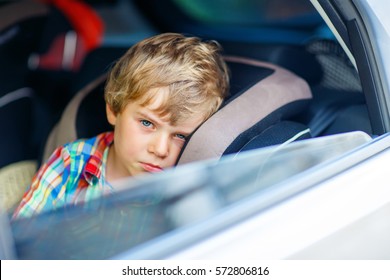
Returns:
(148, 167)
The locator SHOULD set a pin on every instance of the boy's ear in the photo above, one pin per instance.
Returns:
(111, 116)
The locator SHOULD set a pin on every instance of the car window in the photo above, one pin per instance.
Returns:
(149, 208)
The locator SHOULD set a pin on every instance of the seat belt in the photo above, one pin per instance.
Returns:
(324, 118)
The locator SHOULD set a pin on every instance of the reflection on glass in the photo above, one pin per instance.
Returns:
(177, 202)
(6, 241)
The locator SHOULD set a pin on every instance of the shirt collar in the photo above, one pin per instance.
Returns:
(94, 165)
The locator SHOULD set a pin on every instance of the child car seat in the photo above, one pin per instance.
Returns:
(256, 113)
(263, 99)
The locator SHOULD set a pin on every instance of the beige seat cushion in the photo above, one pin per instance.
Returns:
(14, 180)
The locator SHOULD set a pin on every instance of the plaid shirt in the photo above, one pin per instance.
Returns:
(74, 173)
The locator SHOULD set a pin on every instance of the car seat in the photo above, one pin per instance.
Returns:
(259, 112)
(256, 115)
(33, 80)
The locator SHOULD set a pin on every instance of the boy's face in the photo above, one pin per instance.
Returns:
(143, 141)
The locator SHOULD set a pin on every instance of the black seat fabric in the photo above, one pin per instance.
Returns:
(262, 95)
(292, 131)
(16, 115)
(95, 99)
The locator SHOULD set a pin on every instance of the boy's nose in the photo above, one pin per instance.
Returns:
(159, 145)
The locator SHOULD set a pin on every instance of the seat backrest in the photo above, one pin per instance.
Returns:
(262, 95)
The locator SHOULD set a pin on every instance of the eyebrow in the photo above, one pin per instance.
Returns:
(150, 116)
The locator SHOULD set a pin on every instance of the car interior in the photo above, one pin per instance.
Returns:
(284, 63)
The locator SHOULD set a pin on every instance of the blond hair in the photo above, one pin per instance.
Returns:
(192, 70)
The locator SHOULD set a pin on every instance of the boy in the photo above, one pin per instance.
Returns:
(156, 95)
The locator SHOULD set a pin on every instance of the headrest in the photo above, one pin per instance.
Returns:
(272, 98)
(262, 94)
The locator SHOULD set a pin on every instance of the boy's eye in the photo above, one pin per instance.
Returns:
(181, 137)
(146, 123)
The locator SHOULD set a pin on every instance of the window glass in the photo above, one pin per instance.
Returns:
(149, 208)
